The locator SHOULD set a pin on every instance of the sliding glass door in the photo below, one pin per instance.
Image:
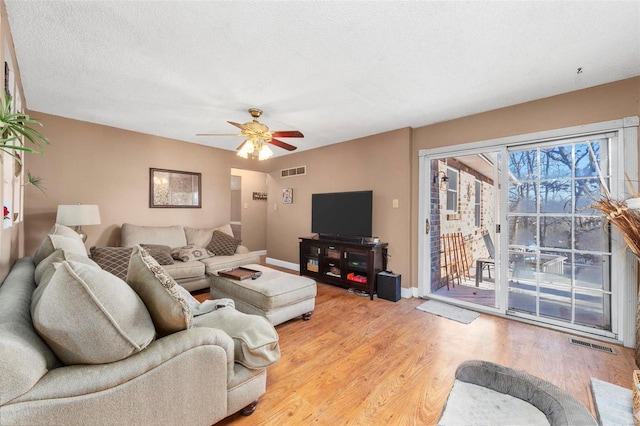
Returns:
(559, 251)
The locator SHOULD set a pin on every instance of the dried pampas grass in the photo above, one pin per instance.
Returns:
(626, 220)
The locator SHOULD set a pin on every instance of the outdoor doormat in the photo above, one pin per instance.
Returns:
(448, 311)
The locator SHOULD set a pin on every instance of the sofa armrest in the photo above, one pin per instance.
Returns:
(559, 407)
(74, 380)
(155, 386)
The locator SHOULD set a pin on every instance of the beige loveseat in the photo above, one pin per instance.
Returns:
(79, 345)
(191, 274)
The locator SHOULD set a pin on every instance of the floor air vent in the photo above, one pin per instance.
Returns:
(592, 346)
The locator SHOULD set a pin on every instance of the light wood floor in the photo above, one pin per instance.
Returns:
(376, 362)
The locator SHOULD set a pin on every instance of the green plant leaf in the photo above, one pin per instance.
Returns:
(35, 181)
(14, 130)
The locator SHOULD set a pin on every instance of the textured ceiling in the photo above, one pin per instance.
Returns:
(333, 70)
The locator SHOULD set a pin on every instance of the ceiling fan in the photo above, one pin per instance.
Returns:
(258, 136)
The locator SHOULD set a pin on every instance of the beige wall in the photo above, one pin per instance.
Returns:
(89, 163)
(93, 164)
(602, 103)
(380, 163)
(253, 213)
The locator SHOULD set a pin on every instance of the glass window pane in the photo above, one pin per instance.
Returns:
(523, 232)
(523, 197)
(592, 309)
(555, 268)
(587, 192)
(555, 231)
(452, 178)
(592, 271)
(555, 196)
(522, 296)
(555, 302)
(555, 162)
(523, 165)
(523, 266)
(591, 234)
(591, 156)
(477, 216)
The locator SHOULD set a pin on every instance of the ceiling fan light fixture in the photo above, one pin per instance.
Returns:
(247, 148)
(264, 153)
(257, 136)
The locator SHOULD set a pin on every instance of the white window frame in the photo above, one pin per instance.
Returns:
(477, 203)
(451, 190)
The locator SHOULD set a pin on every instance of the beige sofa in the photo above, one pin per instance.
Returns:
(191, 275)
(81, 346)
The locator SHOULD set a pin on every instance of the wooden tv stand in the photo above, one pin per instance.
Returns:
(342, 263)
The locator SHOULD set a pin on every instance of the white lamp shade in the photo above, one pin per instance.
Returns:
(78, 215)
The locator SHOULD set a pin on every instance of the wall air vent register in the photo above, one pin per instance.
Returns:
(295, 171)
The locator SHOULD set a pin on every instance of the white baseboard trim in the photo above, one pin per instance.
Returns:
(260, 252)
(282, 264)
(408, 293)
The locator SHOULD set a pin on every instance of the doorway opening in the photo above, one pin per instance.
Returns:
(463, 194)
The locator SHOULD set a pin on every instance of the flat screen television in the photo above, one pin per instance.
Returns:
(348, 214)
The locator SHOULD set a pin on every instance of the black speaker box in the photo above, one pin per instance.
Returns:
(389, 286)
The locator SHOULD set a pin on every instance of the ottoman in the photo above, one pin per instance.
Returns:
(277, 296)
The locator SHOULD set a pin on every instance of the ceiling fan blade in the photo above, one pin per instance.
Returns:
(238, 125)
(287, 134)
(283, 145)
(240, 146)
(218, 134)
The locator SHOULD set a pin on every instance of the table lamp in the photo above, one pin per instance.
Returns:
(78, 215)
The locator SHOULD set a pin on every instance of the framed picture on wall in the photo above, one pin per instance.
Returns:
(287, 196)
(173, 188)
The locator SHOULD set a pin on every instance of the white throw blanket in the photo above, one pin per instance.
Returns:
(207, 306)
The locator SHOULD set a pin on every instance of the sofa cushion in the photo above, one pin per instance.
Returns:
(216, 263)
(159, 292)
(161, 253)
(59, 255)
(172, 236)
(89, 316)
(184, 270)
(190, 252)
(222, 244)
(25, 356)
(200, 237)
(255, 339)
(114, 260)
(56, 241)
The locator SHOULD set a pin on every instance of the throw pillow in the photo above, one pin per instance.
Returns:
(112, 259)
(222, 244)
(46, 247)
(169, 310)
(52, 242)
(88, 316)
(59, 255)
(190, 252)
(200, 237)
(65, 231)
(162, 254)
